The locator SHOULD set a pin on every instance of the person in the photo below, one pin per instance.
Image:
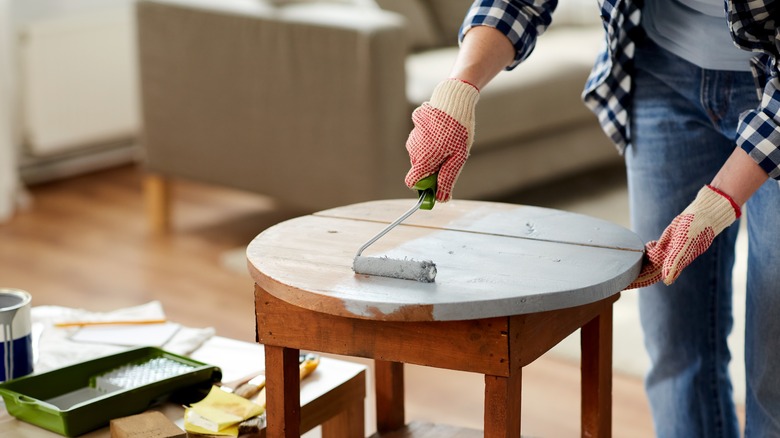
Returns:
(688, 91)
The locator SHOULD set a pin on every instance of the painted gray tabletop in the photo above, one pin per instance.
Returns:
(493, 259)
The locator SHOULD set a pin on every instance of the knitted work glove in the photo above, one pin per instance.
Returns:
(442, 135)
(687, 237)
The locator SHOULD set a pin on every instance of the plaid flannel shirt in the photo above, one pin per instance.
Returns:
(608, 88)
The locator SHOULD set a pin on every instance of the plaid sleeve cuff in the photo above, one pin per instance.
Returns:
(520, 22)
(758, 132)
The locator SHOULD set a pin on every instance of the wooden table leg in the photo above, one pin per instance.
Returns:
(389, 387)
(283, 392)
(350, 423)
(502, 405)
(597, 375)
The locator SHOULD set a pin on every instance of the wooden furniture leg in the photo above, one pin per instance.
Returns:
(502, 405)
(389, 384)
(350, 423)
(283, 392)
(336, 420)
(157, 192)
(597, 375)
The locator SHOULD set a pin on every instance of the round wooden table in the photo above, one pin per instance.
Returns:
(512, 282)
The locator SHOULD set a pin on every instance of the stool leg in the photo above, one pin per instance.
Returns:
(283, 392)
(389, 387)
(597, 375)
(502, 405)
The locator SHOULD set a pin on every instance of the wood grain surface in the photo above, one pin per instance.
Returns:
(493, 259)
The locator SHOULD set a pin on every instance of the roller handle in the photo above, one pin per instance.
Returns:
(426, 188)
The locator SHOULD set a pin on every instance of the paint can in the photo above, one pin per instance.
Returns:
(15, 334)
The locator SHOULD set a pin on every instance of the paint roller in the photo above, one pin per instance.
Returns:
(407, 269)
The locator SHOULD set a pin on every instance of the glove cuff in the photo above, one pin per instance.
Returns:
(737, 210)
(456, 98)
(721, 210)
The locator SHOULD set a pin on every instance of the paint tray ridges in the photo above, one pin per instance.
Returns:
(138, 374)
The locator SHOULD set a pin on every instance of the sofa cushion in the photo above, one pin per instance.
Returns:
(449, 15)
(423, 33)
(553, 78)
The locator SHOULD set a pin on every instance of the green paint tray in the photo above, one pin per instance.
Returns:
(82, 397)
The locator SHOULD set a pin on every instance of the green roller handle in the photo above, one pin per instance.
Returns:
(426, 188)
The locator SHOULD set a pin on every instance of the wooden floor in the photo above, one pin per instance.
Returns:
(84, 243)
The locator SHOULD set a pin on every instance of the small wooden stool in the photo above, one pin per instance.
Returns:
(513, 281)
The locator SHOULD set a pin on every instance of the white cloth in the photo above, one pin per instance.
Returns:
(56, 349)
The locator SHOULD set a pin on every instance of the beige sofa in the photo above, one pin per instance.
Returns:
(310, 101)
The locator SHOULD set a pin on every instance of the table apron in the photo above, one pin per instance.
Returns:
(480, 346)
(493, 346)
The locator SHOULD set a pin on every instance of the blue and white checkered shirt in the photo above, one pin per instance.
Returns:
(608, 89)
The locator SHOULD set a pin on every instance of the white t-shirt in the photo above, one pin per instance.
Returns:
(695, 30)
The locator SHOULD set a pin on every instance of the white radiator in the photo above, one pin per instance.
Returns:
(77, 75)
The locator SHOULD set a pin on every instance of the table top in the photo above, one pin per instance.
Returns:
(493, 259)
(237, 360)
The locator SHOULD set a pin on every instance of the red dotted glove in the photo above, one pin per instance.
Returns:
(687, 237)
(442, 135)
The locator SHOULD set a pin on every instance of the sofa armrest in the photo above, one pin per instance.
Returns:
(304, 102)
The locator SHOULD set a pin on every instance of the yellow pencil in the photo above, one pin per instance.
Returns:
(127, 322)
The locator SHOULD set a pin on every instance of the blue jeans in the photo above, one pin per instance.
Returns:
(683, 130)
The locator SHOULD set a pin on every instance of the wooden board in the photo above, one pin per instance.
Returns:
(493, 259)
